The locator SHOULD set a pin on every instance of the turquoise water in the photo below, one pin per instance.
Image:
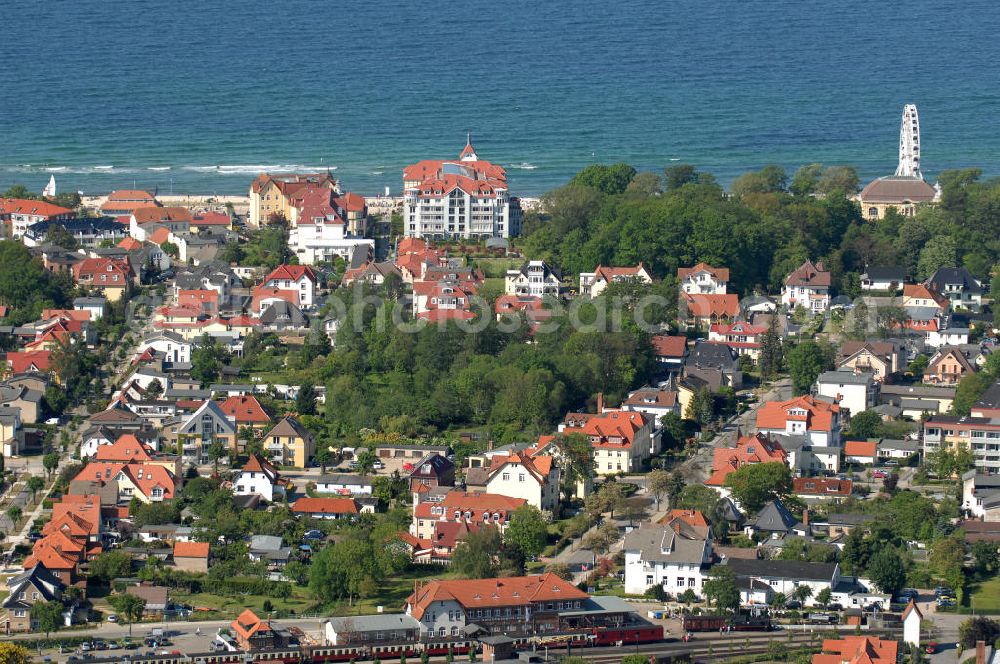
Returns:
(199, 96)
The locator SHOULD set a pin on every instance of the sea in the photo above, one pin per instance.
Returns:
(198, 97)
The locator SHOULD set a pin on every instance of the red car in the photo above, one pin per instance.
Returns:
(880, 474)
(931, 648)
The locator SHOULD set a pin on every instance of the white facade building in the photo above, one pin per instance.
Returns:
(661, 555)
(258, 477)
(535, 479)
(855, 391)
(464, 198)
(533, 279)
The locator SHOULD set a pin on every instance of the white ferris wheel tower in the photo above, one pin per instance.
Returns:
(909, 144)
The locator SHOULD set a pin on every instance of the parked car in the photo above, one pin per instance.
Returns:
(945, 601)
(378, 465)
(112, 618)
(793, 604)
(931, 648)
(880, 475)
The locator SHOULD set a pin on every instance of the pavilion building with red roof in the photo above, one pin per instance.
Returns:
(459, 198)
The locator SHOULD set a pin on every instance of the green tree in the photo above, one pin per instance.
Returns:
(305, 400)
(217, 451)
(35, 484)
(59, 236)
(802, 593)
(658, 483)
(128, 606)
(323, 457)
(50, 462)
(947, 559)
(770, 179)
(720, 588)
(778, 601)
(48, 615)
(154, 389)
(14, 512)
(771, 351)
(608, 179)
(111, 565)
(576, 457)
(11, 653)
(864, 425)
(754, 485)
(806, 361)
(886, 570)
(805, 179)
(823, 597)
(365, 461)
(527, 530)
(477, 556)
(986, 557)
(976, 629)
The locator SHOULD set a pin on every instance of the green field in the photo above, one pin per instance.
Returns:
(985, 596)
(301, 601)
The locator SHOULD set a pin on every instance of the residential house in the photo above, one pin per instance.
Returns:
(246, 411)
(592, 284)
(145, 219)
(855, 392)
(111, 277)
(88, 232)
(687, 388)
(890, 448)
(258, 477)
(298, 278)
(622, 441)
(534, 278)
(23, 591)
(191, 556)
(24, 399)
(520, 475)
(863, 452)
(433, 470)
(17, 214)
(822, 488)
(676, 557)
(669, 351)
(888, 279)
(653, 401)
(808, 286)
(775, 521)
(950, 336)
(276, 196)
(204, 301)
(919, 296)
(715, 363)
(270, 549)
(879, 358)
(289, 443)
(30, 361)
(981, 495)
(457, 506)
(95, 306)
(344, 484)
(157, 598)
(947, 367)
(914, 400)
(373, 273)
(740, 336)
(207, 425)
(697, 310)
(172, 346)
(988, 404)
(703, 279)
(758, 448)
(958, 285)
(326, 508)
(279, 316)
(818, 420)
(149, 483)
(760, 580)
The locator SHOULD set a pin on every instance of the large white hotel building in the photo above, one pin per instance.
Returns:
(466, 198)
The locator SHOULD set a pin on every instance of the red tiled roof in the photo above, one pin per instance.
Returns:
(129, 244)
(126, 448)
(25, 361)
(669, 346)
(291, 273)
(857, 650)
(619, 424)
(860, 448)
(809, 274)
(502, 592)
(32, 207)
(819, 414)
(245, 409)
(706, 306)
(351, 202)
(160, 235)
(922, 292)
(211, 219)
(758, 448)
(147, 215)
(720, 273)
(325, 506)
(191, 549)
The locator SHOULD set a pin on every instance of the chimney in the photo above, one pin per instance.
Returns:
(805, 517)
(600, 402)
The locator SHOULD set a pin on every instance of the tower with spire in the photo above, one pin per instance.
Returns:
(468, 152)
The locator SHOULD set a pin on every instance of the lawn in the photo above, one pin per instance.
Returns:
(393, 592)
(300, 601)
(985, 595)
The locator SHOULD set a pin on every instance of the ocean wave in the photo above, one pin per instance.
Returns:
(254, 169)
(377, 173)
(524, 166)
(157, 168)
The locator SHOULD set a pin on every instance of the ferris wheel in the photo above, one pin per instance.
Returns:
(909, 144)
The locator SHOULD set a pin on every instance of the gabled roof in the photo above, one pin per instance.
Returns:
(953, 275)
(245, 409)
(720, 273)
(602, 428)
(248, 623)
(706, 306)
(291, 273)
(893, 189)
(809, 274)
(922, 292)
(666, 544)
(31, 207)
(669, 346)
(818, 416)
(258, 464)
(537, 467)
(288, 426)
(758, 448)
(821, 486)
(858, 650)
(154, 214)
(861, 448)
(193, 422)
(126, 448)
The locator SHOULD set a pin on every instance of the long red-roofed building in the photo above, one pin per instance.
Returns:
(857, 650)
(479, 508)
(19, 213)
(467, 198)
(758, 448)
(819, 421)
